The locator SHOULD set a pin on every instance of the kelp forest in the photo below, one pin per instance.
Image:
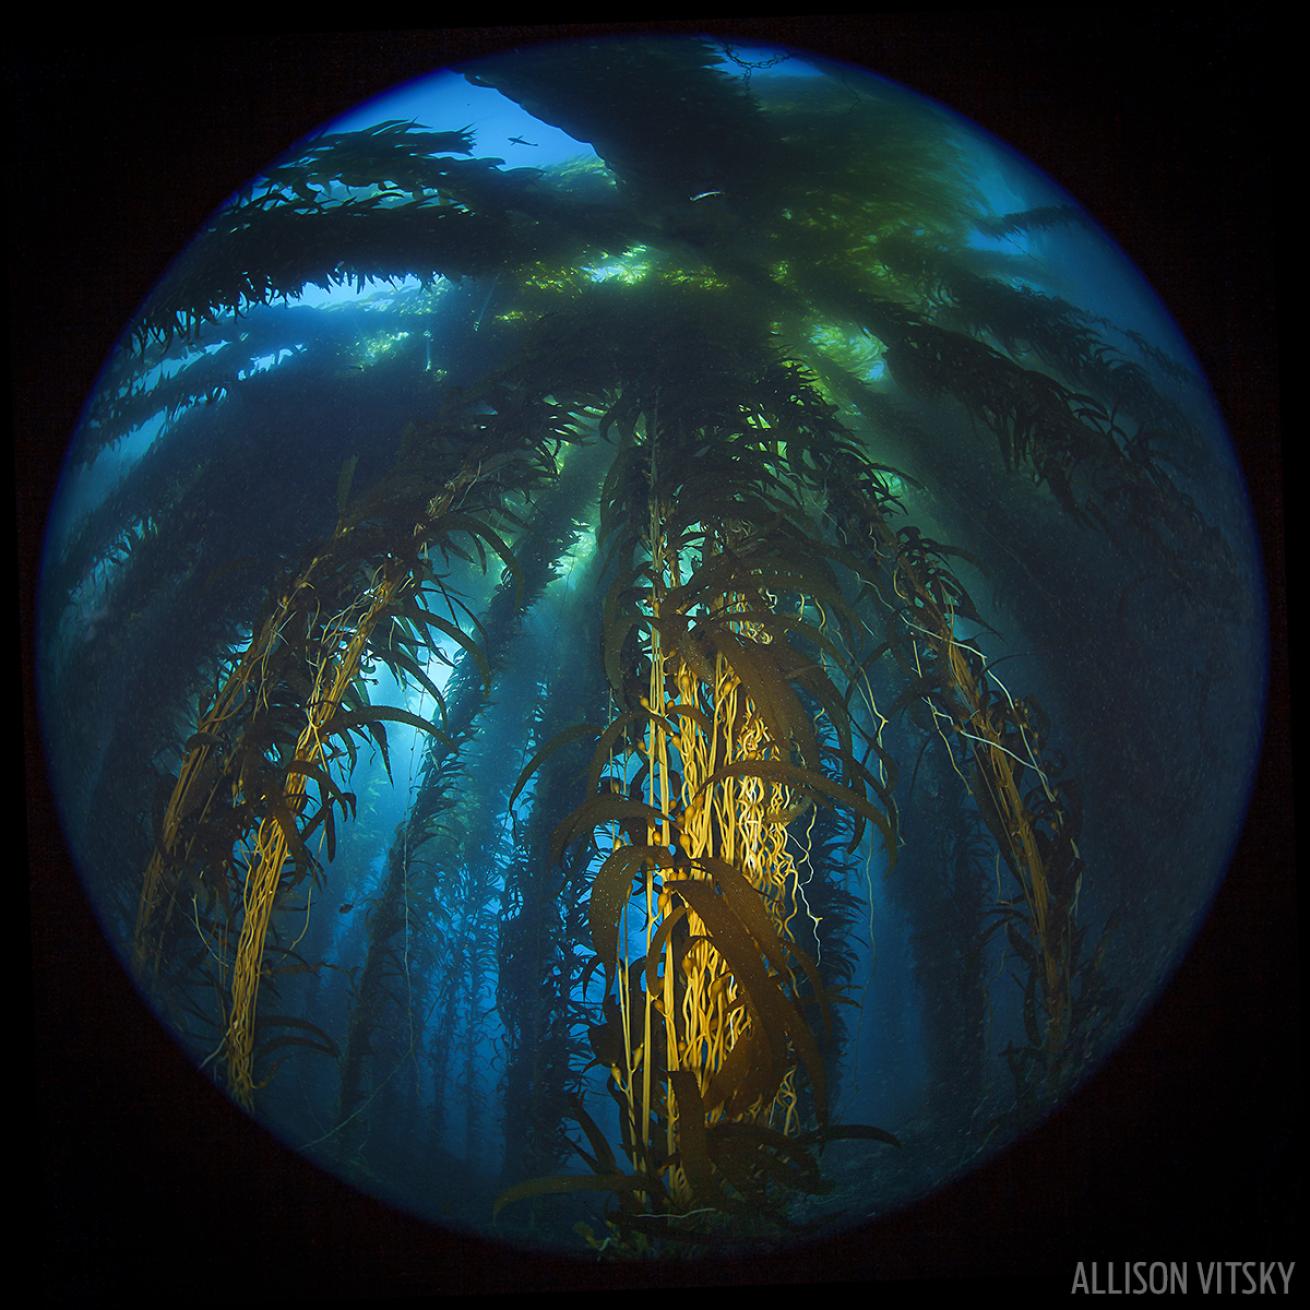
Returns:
(672, 696)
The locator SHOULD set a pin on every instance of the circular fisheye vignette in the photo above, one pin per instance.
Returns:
(777, 732)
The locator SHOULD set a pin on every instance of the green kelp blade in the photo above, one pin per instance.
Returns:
(613, 885)
(655, 956)
(736, 1163)
(315, 1038)
(777, 1017)
(568, 735)
(329, 791)
(856, 772)
(746, 1076)
(599, 1144)
(767, 685)
(199, 739)
(812, 781)
(398, 658)
(422, 617)
(455, 522)
(748, 905)
(603, 809)
(606, 1038)
(342, 723)
(304, 861)
(616, 634)
(1019, 946)
(609, 738)
(694, 715)
(784, 1159)
(783, 624)
(687, 643)
(692, 1144)
(849, 1132)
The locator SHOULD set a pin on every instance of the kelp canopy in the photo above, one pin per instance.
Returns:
(660, 681)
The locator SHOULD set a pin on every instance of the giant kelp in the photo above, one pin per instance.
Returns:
(550, 531)
(731, 342)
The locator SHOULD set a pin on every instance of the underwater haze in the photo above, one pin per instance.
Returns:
(575, 647)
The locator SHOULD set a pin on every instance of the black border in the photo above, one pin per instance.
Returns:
(1186, 1145)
